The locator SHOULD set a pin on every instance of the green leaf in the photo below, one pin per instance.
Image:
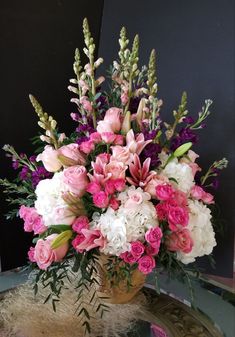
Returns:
(60, 228)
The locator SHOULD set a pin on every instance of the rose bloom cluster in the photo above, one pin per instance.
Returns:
(138, 211)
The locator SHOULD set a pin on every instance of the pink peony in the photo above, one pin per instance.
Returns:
(80, 223)
(153, 236)
(49, 158)
(31, 253)
(71, 151)
(75, 177)
(87, 146)
(93, 239)
(177, 216)
(137, 249)
(146, 264)
(164, 192)
(101, 199)
(44, 255)
(180, 241)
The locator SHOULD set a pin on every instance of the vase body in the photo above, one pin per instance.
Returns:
(120, 293)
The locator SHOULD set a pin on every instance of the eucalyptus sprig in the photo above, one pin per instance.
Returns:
(46, 122)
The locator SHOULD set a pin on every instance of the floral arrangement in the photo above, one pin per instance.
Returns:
(124, 184)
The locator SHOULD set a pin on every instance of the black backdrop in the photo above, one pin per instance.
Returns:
(195, 47)
(194, 41)
(37, 41)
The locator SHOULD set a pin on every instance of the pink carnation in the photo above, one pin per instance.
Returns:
(80, 223)
(153, 236)
(146, 264)
(93, 187)
(164, 192)
(87, 146)
(31, 253)
(101, 199)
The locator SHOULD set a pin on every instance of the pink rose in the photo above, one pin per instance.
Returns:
(197, 192)
(177, 216)
(31, 253)
(119, 184)
(180, 198)
(146, 264)
(87, 146)
(150, 250)
(116, 169)
(104, 127)
(128, 257)
(153, 183)
(104, 157)
(77, 241)
(49, 158)
(44, 255)
(162, 210)
(112, 116)
(121, 154)
(153, 236)
(137, 249)
(95, 137)
(108, 137)
(75, 177)
(93, 239)
(101, 199)
(93, 187)
(71, 151)
(114, 203)
(179, 241)
(80, 223)
(164, 192)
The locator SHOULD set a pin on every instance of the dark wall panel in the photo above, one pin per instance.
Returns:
(194, 41)
(37, 42)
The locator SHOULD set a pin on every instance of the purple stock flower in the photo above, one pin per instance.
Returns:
(188, 120)
(79, 140)
(15, 164)
(40, 174)
(185, 135)
(24, 173)
(33, 159)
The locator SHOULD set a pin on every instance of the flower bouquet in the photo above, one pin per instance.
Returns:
(123, 193)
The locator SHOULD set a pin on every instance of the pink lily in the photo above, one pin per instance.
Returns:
(140, 174)
(93, 238)
(136, 145)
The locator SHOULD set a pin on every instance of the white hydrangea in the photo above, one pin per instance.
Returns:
(201, 230)
(129, 223)
(50, 204)
(182, 173)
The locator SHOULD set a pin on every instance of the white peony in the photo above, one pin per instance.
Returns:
(201, 231)
(50, 204)
(182, 173)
